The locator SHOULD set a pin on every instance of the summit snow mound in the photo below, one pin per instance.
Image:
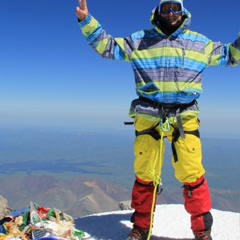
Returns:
(171, 222)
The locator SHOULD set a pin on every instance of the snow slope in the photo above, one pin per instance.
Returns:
(170, 222)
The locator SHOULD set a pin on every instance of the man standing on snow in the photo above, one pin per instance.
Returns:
(168, 62)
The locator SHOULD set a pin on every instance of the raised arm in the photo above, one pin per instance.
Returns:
(235, 51)
(82, 10)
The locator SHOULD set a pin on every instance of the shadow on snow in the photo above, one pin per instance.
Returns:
(109, 227)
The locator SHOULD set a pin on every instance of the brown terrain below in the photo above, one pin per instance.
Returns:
(81, 196)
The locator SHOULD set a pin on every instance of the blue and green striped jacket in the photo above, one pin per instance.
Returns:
(167, 69)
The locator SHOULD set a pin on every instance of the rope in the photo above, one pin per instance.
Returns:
(156, 182)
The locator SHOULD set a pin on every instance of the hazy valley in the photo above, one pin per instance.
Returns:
(85, 172)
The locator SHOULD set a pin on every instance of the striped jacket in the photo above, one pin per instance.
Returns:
(167, 69)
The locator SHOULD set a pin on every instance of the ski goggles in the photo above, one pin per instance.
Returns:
(168, 7)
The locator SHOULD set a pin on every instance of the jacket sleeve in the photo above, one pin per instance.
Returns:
(224, 54)
(105, 45)
(235, 51)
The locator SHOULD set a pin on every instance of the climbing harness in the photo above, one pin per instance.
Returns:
(152, 132)
(167, 109)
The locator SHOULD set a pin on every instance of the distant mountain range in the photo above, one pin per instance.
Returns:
(91, 172)
(78, 197)
(82, 196)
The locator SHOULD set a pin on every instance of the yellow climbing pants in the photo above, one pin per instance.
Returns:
(187, 161)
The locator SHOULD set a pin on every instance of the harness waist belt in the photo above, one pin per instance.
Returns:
(168, 106)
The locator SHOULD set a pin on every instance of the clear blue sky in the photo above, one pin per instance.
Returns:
(49, 76)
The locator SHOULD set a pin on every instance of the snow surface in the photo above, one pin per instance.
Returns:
(170, 222)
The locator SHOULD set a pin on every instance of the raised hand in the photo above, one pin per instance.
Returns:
(82, 10)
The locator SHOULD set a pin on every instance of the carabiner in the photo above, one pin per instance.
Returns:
(165, 126)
